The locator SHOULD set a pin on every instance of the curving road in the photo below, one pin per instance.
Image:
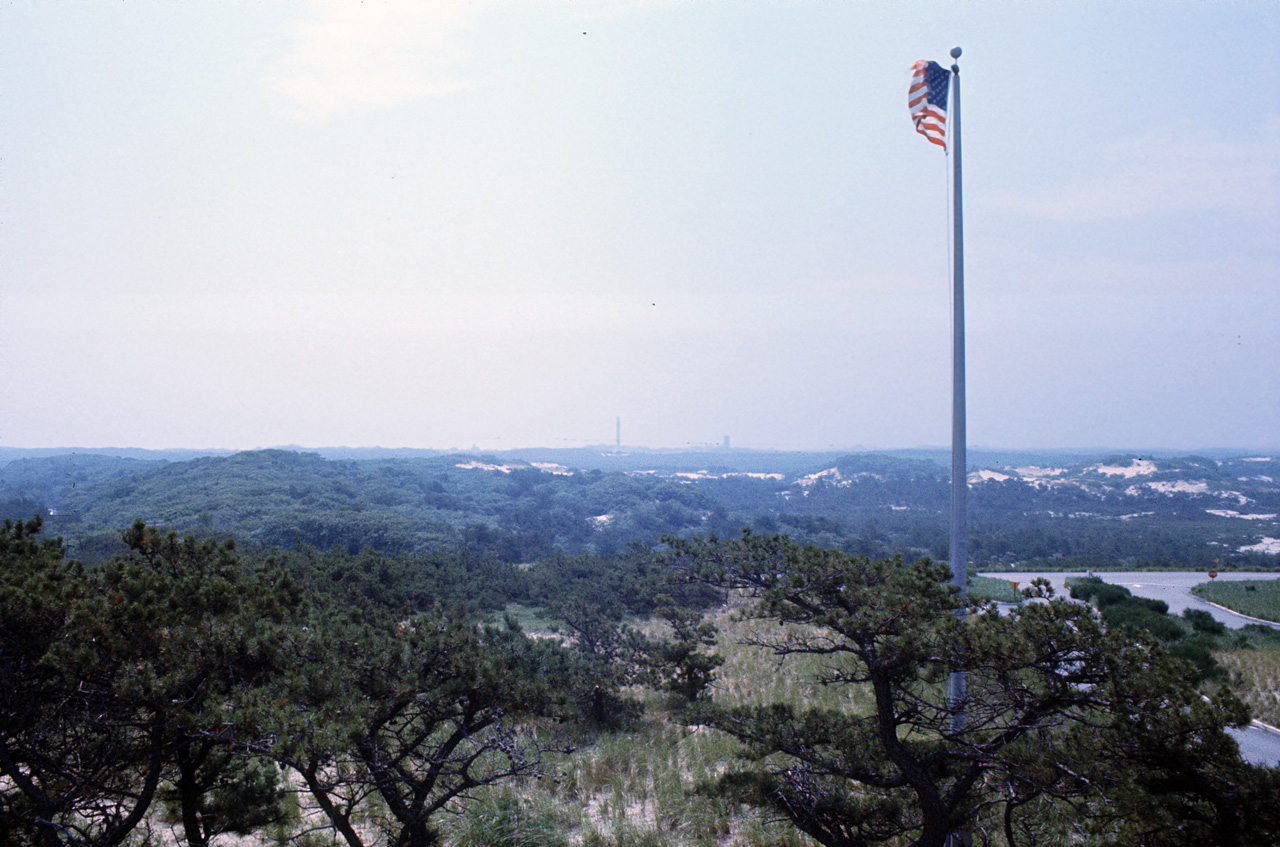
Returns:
(1173, 587)
(1258, 744)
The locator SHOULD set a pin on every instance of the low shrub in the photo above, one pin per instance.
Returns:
(1198, 650)
(1105, 595)
(1158, 606)
(1082, 587)
(1142, 618)
(1202, 621)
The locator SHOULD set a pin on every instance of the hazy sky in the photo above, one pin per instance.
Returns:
(507, 224)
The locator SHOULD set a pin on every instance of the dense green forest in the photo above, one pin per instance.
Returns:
(610, 650)
(1066, 512)
(711, 692)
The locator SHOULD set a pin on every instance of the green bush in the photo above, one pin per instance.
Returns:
(1140, 617)
(1158, 606)
(1082, 587)
(1202, 621)
(1105, 595)
(1198, 650)
(1101, 594)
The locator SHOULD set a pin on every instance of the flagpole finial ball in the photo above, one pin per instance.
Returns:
(955, 52)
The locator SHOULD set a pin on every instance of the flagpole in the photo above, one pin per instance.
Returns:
(959, 468)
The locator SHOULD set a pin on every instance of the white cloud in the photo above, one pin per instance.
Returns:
(1169, 171)
(349, 57)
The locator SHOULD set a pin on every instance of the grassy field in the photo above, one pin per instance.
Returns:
(1254, 673)
(996, 588)
(1257, 598)
(637, 788)
(1255, 676)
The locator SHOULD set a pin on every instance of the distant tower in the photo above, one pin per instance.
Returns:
(726, 442)
(618, 423)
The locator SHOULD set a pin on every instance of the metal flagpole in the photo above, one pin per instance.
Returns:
(927, 99)
(959, 468)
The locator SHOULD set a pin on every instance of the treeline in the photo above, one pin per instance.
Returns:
(871, 505)
(186, 674)
(1039, 724)
(275, 498)
(631, 582)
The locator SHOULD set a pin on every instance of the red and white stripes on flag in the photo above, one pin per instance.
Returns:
(927, 99)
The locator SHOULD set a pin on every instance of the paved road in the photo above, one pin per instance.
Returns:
(1173, 587)
(1257, 745)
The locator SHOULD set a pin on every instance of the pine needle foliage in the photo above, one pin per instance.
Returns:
(1065, 725)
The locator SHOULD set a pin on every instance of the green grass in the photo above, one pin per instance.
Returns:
(1257, 598)
(1255, 676)
(504, 818)
(996, 588)
(622, 789)
(637, 788)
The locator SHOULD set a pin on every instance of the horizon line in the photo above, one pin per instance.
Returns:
(696, 447)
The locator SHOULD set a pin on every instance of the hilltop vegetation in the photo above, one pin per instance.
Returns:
(185, 691)
(1122, 511)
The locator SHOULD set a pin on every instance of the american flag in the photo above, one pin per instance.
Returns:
(927, 99)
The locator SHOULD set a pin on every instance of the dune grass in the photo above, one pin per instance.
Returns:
(1257, 598)
(638, 787)
(995, 588)
(1255, 676)
(1253, 670)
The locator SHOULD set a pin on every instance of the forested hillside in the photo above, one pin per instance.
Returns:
(471, 650)
(521, 506)
(729, 692)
